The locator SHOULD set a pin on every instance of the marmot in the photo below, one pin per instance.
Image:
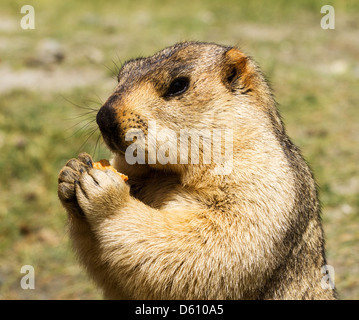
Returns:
(183, 230)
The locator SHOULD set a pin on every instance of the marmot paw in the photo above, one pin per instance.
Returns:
(69, 176)
(86, 191)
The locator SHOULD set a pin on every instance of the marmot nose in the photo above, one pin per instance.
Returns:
(106, 119)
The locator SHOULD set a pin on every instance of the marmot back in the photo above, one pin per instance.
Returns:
(219, 203)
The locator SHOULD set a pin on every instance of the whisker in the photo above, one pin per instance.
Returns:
(87, 139)
(99, 103)
(113, 72)
(83, 127)
(86, 128)
(99, 99)
(80, 106)
(89, 116)
(96, 145)
(83, 115)
(119, 60)
(116, 66)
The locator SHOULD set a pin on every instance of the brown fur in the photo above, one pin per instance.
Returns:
(180, 231)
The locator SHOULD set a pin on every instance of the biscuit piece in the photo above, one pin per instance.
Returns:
(105, 165)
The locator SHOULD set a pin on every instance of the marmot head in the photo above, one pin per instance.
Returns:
(191, 87)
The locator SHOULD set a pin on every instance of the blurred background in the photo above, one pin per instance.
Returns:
(53, 79)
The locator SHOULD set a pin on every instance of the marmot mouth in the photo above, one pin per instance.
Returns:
(112, 141)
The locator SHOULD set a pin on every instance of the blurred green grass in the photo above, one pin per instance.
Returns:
(313, 72)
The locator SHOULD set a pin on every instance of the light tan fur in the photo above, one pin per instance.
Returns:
(181, 231)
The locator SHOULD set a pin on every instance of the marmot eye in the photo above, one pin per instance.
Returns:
(177, 86)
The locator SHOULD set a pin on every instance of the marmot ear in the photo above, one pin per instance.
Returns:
(237, 72)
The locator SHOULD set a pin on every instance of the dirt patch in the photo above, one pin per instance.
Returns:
(56, 80)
